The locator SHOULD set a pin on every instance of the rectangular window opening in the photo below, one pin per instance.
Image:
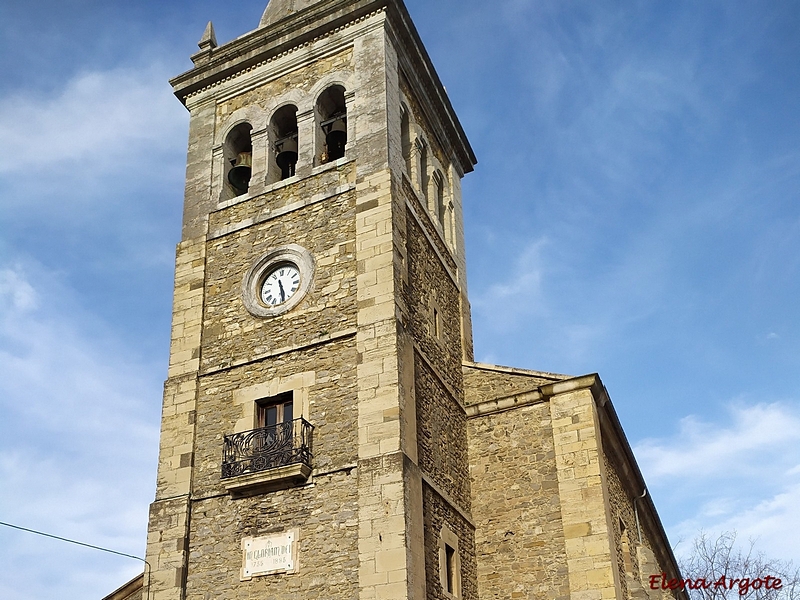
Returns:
(450, 567)
(274, 410)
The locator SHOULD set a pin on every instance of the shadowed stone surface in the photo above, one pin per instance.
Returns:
(278, 9)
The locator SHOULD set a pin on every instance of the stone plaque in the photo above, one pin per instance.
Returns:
(269, 555)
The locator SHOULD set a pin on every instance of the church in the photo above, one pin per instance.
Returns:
(326, 432)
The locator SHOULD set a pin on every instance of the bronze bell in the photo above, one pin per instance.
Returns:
(239, 175)
(286, 158)
(336, 138)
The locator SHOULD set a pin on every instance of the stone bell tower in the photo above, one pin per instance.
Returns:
(314, 441)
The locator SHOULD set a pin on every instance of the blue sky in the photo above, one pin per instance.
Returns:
(634, 212)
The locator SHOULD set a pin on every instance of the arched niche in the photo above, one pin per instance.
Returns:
(331, 112)
(284, 142)
(237, 150)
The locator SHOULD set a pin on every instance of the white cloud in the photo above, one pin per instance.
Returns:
(521, 293)
(98, 162)
(527, 279)
(738, 473)
(77, 440)
(553, 291)
(15, 293)
(85, 150)
(769, 521)
(97, 118)
(708, 450)
(766, 523)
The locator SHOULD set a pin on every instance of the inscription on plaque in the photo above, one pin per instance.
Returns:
(269, 555)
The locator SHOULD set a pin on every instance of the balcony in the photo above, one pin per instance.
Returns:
(267, 458)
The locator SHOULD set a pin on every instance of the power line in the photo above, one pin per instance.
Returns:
(93, 547)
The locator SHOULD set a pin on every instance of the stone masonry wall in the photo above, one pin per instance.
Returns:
(430, 295)
(622, 509)
(135, 595)
(169, 514)
(441, 435)
(333, 408)
(426, 222)
(635, 584)
(302, 80)
(430, 286)
(166, 546)
(516, 505)
(581, 485)
(448, 235)
(438, 513)
(241, 212)
(326, 514)
(418, 116)
(483, 383)
(326, 229)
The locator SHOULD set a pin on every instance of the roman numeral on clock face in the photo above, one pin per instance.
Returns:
(280, 285)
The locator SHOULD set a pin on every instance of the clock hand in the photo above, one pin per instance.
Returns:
(283, 294)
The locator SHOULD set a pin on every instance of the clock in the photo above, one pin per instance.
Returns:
(280, 284)
(277, 281)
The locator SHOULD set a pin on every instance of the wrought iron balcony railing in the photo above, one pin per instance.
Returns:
(267, 448)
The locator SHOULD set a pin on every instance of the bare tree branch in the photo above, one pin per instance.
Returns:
(718, 569)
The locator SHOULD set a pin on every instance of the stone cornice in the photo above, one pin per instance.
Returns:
(515, 371)
(541, 394)
(418, 69)
(224, 63)
(317, 341)
(127, 590)
(264, 45)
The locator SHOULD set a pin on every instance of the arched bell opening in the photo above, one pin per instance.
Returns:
(332, 114)
(405, 137)
(423, 172)
(238, 153)
(285, 142)
(438, 197)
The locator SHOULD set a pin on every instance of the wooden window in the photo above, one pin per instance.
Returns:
(278, 409)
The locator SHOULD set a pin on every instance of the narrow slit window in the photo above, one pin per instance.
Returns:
(450, 568)
(449, 564)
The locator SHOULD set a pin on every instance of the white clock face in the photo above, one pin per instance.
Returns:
(281, 283)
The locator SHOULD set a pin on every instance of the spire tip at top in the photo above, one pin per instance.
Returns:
(209, 39)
